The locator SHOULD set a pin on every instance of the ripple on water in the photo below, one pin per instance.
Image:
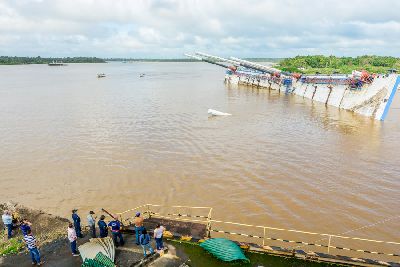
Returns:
(122, 141)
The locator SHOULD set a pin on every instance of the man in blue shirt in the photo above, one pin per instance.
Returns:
(102, 226)
(144, 240)
(115, 226)
(77, 223)
(25, 226)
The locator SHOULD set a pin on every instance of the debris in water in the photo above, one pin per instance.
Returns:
(213, 112)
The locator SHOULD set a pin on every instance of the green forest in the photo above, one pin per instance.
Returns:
(331, 64)
(4, 60)
(301, 64)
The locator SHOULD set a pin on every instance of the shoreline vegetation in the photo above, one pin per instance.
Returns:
(316, 64)
(46, 228)
(334, 65)
(5, 60)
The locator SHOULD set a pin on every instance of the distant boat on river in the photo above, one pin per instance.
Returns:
(101, 75)
(57, 63)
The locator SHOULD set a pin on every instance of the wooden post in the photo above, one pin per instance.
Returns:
(329, 243)
(264, 238)
(209, 224)
(148, 211)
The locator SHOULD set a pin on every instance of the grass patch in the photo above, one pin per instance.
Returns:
(10, 246)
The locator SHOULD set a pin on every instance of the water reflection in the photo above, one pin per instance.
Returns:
(326, 117)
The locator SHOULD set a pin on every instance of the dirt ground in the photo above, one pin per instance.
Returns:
(58, 254)
(51, 233)
(45, 227)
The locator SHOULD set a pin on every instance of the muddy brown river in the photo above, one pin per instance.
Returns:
(69, 139)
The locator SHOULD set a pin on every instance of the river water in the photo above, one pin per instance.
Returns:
(69, 139)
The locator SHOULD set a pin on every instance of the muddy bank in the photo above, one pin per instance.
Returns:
(49, 230)
(51, 233)
(46, 227)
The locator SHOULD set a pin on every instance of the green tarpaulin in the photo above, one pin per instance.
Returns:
(224, 249)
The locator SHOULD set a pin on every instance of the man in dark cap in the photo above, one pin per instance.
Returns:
(92, 223)
(77, 223)
(102, 226)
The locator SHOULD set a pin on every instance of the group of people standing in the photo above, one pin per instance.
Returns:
(141, 234)
(74, 232)
(29, 239)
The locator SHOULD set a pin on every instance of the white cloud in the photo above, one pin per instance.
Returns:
(168, 28)
(150, 35)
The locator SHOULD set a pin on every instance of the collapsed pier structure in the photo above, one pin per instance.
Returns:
(361, 92)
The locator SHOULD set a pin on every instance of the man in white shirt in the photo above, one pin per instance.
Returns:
(92, 223)
(158, 235)
(7, 221)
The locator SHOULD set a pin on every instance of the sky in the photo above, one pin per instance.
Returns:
(170, 28)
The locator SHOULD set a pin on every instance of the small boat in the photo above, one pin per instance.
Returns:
(213, 112)
(101, 75)
(142, 75)
(57, 63)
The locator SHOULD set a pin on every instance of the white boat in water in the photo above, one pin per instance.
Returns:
(101, 75)
(213, 112)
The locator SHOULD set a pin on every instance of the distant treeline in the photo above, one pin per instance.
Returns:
(332, 64)
(301, 64)
(4, 60)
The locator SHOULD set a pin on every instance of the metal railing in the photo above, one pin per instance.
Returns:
(265, 235)
(169, 212)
